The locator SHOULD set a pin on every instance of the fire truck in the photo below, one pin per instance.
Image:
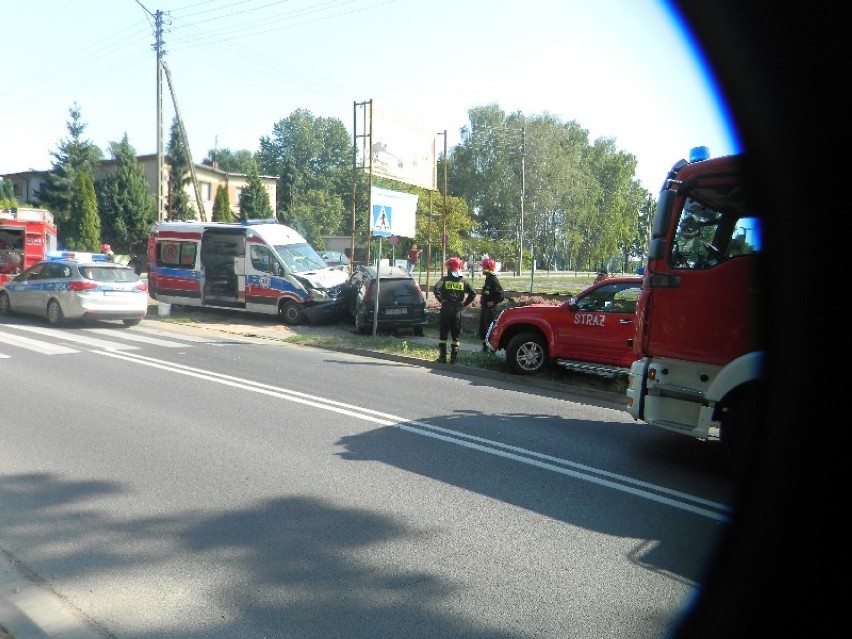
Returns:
(698, 349)
(26, 235)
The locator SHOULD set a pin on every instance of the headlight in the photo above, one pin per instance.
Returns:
(318, 294)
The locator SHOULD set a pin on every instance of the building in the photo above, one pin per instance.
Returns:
(26, 186)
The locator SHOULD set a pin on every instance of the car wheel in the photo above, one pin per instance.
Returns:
(362, 326)
(418, 331)
(5, 304)
(291, 313)
(132, 322)
(526, 354)
(54, 313)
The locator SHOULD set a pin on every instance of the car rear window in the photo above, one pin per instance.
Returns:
(404, 286)
(110, 274)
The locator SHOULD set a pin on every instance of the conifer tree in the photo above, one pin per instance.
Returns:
(73, 156)
(125, 202)
(254, 199)
(179, 207)
(222, 206)
(85, 209)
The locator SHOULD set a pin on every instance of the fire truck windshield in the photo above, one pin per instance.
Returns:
(706, 237)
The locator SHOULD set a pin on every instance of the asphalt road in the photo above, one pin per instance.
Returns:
(585, 387)
(36, 612)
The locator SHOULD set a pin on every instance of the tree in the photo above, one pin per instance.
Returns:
(84, 209)
(7, 195)
(73, 156)
(580, 207)
(222, 206)
(485, 170)
(311, 157)
(230, 161)
(254, 198)
(125, 202)
(178, 205)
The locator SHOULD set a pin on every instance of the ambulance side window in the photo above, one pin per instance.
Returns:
(261, 259)
(176, 254)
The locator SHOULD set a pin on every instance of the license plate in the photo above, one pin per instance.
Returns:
(396, 311)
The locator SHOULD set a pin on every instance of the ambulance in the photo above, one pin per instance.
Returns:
(26, 236)
(257, 266)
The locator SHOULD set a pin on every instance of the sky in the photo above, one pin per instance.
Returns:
(621, 69)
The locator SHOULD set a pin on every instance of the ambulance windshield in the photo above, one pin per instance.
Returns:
(300, 258)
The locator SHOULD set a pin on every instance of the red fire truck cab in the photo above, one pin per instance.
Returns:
(26, 235)
(698, 348)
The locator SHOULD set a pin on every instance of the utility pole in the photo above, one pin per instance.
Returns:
(365, 138)
(158, 46)
(444, 237)
(523, 189)
(429, 232)
(198, 201)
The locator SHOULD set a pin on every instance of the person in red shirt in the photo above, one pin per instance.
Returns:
(413, 257)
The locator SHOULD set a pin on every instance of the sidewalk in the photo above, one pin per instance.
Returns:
(31, 611)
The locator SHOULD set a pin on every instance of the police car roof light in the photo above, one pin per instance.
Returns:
(75, 256)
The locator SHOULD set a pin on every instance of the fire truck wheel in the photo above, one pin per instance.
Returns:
(54, 313)
(526, 354)
(291, 313)
(740, 433)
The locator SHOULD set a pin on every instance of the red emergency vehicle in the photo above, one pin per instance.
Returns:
(26, 235)
(698, 348)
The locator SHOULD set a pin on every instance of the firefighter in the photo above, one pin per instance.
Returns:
(454, 292)
(489, 297)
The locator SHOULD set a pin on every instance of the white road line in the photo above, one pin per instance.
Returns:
(133, 336)
(622, 483)
(70, 336)
(45, 348)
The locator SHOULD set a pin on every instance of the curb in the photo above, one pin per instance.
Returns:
(603, 399)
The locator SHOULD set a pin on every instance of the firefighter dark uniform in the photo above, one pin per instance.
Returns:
(490, 296)
(454, 292)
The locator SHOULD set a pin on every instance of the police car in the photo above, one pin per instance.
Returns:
(70, 286)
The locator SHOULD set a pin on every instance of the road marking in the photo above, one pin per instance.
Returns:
(622, 483)
(123, 333)
(45, 348)
(65, 334)
(53, 347)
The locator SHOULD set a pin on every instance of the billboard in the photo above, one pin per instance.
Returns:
(402, 150)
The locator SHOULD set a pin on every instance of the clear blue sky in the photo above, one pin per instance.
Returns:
(622, 69)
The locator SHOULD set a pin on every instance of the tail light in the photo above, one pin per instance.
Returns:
(141, 286)
(80, 285)
(368, 291)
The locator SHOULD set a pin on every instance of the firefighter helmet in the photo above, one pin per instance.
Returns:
(489, 265)
(453, 264)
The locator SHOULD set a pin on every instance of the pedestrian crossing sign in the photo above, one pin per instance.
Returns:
(382, 221)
